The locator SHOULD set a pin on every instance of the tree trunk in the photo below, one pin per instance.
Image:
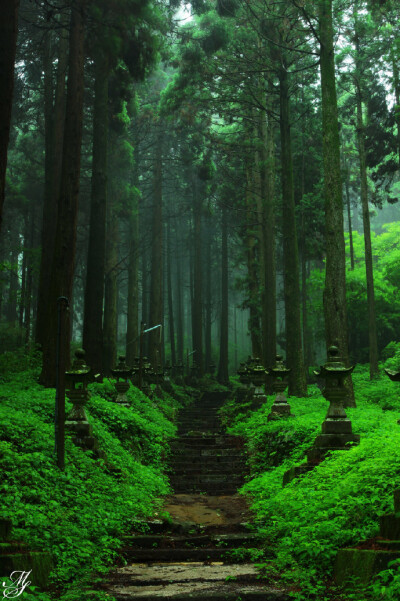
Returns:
(170, 300)
(372, 331)
(110, 323)
(54, 120)
(207, 325)
(253, 284)
(179, 308)
(223, 376)
(156, 294)
(132, 335)
(335, 275)
(62, 270)
(347, 188)
(294, 349)
(197, 279)
(8, 44)
(94, 289)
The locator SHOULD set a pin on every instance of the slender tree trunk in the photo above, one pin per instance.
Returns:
(347, 188)
(207, 325)
(170, 300)
(54, 118)
(62, 270)
(110, 324)
(94, 289)
(223, 376)
(335, 310)
(372, 331)
(156, 294)
(179, 308)
(251, 252)
(197, 278)
(8, 44)
(132, 336)
(294, 349)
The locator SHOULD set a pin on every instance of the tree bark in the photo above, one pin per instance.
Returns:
(110, 323)
(170, 299)
(294, 349)
(179, 308)
(8, 44)
(94, 288)
(62, 270)
(252, 267)
(372, 331)
(207, 325)
(335, 310)
(156, 293)
(54, 120)
(223, 376)
(132, 335)
(197, 279)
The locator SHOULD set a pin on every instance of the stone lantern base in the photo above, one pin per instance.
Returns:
(336, 435)
(122, 388)
(280, 408)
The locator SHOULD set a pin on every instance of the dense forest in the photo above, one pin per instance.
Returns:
(192, 191)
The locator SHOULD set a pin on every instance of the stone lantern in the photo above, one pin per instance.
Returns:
(257, 378)
(336, 429)
(122, 372)
(279, 375)
(76, 381)
(242, 391)
(211, 369)
(147, 378)
(166, 383)
(135, 372)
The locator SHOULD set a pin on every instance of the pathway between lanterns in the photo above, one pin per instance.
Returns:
(202, 552)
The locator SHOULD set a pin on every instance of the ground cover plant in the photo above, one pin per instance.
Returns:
(337, 504)
(79, 515)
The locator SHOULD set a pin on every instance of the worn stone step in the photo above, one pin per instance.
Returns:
(203, 554)
(231, 459)
(215, 440)
(204, 467)
(216, 491)
(200, 452)
(167, 541)
(204, 471)
(206, 478)
(192, 581)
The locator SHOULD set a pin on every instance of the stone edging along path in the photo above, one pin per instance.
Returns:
(196, 555)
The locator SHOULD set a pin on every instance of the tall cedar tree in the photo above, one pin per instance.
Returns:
(8, 44)
(62, 270)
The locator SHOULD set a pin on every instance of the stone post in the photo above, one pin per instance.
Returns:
(77, 380)
(122, 372)
(279, 374)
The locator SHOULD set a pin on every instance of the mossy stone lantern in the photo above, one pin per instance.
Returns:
(122, 373)
(279, 375)
(243, 389)
(336, 429)
(166, 383)
(76, 380)
(257, 378)
(148, 377)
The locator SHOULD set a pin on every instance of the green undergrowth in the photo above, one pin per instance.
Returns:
(337, 504)
(79, 515)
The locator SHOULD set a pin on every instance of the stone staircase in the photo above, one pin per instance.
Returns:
(205, 460)
(202, 553)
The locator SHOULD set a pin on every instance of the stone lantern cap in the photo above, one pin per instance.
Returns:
(79, 373)
(122, 370)
(393, 375)
(279, 370)
(334, 367)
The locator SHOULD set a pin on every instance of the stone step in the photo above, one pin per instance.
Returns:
(191, 582)
(236, 467)
(204, 471)
(217, 441)
(168, 541)
(199, 452)
(232, 458)
(215, 490)
(216, 478)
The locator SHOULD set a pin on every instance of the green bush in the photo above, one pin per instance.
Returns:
(80, 514)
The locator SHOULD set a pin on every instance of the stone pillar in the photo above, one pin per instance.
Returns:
(279, 374)
(122, 372)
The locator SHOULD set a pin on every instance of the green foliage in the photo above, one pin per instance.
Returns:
(339, 502)
(80, 514)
